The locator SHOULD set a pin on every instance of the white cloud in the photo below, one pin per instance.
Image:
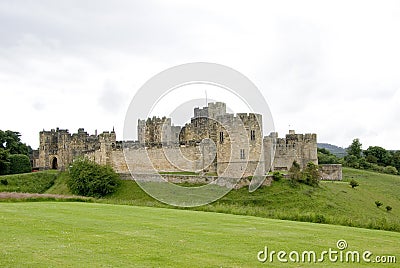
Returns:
(329, 67)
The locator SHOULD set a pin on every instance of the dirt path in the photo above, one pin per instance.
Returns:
(14, 195)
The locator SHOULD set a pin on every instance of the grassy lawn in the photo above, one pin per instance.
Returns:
(331, 202)
(63, 234)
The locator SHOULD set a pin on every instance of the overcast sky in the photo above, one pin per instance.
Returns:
(327, 67)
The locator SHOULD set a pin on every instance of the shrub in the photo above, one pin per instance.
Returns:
(353, 183)
(311, 175)
(91, 179)
(378, 203)
(19, 163)
(388, 208)
(294, 173)
(390, 170)
(4, 161)
(277, 176)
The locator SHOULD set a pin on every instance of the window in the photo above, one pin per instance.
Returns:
(242, 154)
(221, 137)
(252, 135)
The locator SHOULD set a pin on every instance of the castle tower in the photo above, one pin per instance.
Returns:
(53, 149)
(240, 145)
(294, 147)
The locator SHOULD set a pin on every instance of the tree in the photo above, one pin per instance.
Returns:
(91, 179)
(326, 157)
(378, 155)
(395, 159)
(11, 141)
(355, 148)
(351, 161)
(388, 208)
(354, 183)
(378, 203)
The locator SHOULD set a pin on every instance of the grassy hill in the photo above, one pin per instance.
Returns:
(37, 182)
(63, 234)
(331, 202)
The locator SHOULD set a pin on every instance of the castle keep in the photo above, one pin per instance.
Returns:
(211, 142)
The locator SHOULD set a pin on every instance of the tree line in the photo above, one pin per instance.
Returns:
(374, 158)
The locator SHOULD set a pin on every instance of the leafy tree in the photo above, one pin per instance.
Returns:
(378, 203)
(395, 156)
(11, 141)
(19, 163)
(355, 148)
(91, 179)
(364, 163)
(351, 161)
(371, 159)
(326, 157)
(378, 154)
(354, 183)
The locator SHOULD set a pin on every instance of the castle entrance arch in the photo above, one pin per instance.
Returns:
(54, 164)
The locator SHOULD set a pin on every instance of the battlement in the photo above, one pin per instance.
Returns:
(212, 110)
(234, 140)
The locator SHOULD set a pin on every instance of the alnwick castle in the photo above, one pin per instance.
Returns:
(209, 143)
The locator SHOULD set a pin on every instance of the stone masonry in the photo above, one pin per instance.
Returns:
(209, 143)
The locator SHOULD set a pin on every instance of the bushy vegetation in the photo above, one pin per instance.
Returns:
(277, 176)
(374, 158)
(19, 163)
(354, 183)
(309, 175)
(326, 157)
(91, 179)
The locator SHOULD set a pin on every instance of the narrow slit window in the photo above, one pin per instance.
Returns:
(221, 137)
(252, 135)
(242, 156)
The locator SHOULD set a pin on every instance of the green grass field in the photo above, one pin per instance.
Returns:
(63, 234)
(332, 202)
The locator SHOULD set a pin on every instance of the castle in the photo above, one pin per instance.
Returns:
(209, 143)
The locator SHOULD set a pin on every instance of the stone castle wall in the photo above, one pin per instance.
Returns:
(214, 141)
(331, 172)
